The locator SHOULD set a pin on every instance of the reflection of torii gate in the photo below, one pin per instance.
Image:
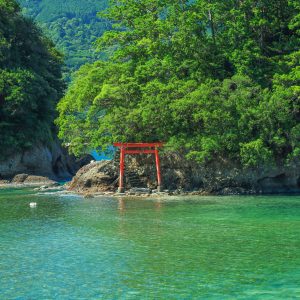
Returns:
(138, 148)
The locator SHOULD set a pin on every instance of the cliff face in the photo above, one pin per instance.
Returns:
(50, 161)
(180, 174)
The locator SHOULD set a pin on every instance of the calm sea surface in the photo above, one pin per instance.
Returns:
(174, 248)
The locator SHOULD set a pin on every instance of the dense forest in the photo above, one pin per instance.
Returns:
(30, 82)
(73, 26)
(215, 80)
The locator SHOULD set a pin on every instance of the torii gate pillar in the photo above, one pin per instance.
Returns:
(138, 148)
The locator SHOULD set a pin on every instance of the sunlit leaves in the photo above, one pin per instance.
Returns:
(215, 80)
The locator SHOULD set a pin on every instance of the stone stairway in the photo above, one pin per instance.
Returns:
(132, 179)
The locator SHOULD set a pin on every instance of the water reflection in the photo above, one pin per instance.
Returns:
(121, 205)
(107, 248)
(128, 204)
(158, 205)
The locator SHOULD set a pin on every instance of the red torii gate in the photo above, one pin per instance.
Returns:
(138, 148)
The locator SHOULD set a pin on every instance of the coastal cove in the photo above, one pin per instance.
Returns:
(237, 247)
(149, 150)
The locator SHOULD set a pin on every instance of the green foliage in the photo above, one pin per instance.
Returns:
(30, 81)
(255, 153)
(73, 25)
(216, 80)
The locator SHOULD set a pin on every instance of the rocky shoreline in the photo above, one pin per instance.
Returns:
(44, 184)
(23, 180)
(181, 178)
(49, 186)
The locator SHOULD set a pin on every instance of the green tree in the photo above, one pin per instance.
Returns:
(30, 81)
(214, 80)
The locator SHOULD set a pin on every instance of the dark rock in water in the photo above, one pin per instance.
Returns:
(50, 161)
(233, 191)
(32, 180)
(286, 182)
(20, 178)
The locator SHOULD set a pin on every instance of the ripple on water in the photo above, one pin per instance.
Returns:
(173, 248)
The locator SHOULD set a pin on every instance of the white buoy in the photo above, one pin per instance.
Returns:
(33, 204)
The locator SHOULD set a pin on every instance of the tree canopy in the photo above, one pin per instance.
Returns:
(30, 81)
(215, 80)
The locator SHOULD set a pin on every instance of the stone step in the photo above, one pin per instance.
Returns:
(140, 190)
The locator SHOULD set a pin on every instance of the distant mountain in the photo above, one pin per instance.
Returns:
(72, 24)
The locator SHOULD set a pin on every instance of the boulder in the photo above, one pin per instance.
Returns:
(20, 178)
(26, 179)
(40, 180)
(94, 178)
(50, 161)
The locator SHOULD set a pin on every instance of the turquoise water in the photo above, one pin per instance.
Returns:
(184, 248)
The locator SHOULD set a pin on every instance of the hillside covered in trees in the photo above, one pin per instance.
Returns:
(30, 82)
(215, 80)
(73, 26)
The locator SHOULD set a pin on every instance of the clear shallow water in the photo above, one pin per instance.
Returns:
(187, 248)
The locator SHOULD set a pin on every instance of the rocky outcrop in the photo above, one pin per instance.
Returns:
(26, 179)
(181, 175)
(95, 177)
(282, 181)
(51, 161)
